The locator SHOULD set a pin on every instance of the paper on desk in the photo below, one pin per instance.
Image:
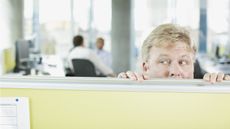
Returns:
(14, 113)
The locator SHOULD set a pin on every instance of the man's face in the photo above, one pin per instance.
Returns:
(100, 44)
(171, 62)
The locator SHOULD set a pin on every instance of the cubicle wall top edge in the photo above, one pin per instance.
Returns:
(113, 84)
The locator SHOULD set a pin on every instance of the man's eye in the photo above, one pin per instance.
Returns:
(183, 62)
(165, 62)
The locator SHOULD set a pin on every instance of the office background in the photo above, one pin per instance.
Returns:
(123, 23)
(48, 27)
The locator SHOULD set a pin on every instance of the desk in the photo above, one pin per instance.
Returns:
(53, 65)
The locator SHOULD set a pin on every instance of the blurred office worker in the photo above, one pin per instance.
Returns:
(81, 52)
(103, 54)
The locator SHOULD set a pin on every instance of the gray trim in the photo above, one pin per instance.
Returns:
(113, 84)
(203, 27)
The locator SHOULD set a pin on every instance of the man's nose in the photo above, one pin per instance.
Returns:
(175, 70)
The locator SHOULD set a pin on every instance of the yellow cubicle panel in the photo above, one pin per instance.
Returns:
(74, 109)
(8, 60)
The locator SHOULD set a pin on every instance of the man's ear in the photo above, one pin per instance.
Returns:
(145, 66)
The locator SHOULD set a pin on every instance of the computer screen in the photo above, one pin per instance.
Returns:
(22, 50)
(22, 54)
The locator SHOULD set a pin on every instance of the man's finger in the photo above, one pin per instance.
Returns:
(146, 77)
(122, 75)
(220, 77)
(227, 77)
(206, 77)
(213, 78)
(131, 75)
(139, 77)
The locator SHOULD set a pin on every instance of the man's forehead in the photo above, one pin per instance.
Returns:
(170, 55)
(173, 45)
(180, 47)
(175, 48)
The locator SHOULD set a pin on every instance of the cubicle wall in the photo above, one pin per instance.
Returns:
(78, 103)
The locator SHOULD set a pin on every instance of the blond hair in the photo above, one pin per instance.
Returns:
(101, 39)
(165, 35)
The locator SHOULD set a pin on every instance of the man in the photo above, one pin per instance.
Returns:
(103, 54)
(81, 52)
(168, 52)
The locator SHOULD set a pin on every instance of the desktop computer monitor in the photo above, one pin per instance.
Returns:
(22, 55)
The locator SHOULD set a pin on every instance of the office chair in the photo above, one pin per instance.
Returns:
(198, 72)
(84, 68)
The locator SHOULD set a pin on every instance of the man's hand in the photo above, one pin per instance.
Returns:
(111, 75)
(133, 76)
(210, 77)
(215, 77)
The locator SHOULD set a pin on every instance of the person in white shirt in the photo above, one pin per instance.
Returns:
(103, 54)
(81, 52)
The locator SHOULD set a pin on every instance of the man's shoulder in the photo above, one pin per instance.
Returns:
(106, 52)
(80, 51)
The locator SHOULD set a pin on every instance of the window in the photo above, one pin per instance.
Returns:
(57, 26)
(219, 26)
(148, 14)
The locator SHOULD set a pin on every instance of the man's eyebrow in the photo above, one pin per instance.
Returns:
(185, 56)
(163, 55)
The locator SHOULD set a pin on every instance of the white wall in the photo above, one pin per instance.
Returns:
(11, 25)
